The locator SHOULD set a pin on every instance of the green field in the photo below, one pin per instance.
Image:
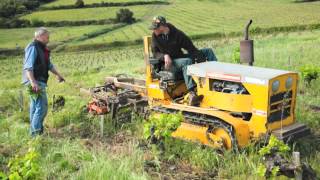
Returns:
(194, 18)
(73, 146)
(10, 38)
(71, 2)
(207, 17)
(65, 151)
(85, 14)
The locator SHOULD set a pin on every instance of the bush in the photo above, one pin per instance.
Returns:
(8, 8)
(37, 23)
(31, 5)
(79, 4)
(45, 1)
(105, 4)
(309, 73)
(125, 16)
(236, 55)
(21, 9)
(15, 23)
(3, 22)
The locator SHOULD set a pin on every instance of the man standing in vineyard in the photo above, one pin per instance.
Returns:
(35, 75)
(167, 45)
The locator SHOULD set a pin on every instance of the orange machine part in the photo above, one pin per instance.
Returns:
(94, 107)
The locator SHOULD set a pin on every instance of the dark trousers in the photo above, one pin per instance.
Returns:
(179, 67)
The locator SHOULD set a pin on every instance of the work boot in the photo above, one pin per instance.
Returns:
(194, 99)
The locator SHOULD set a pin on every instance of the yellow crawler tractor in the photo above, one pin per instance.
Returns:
(240, 103)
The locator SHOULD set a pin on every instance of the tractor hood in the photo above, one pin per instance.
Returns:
(235, 72)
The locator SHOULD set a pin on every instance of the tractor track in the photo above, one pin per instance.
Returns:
(203, 120)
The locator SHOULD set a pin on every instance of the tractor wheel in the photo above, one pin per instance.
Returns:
(225, 132)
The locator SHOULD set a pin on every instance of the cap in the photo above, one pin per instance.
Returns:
(157, 21)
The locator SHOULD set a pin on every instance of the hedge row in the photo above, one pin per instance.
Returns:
(99, 32)
(77, 23)
(22, 23)
(259, 30)
(256, 30)
(104, 4)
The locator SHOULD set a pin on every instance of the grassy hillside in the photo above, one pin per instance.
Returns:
(72, 148)
(71, 2)
(192, 16)
(9, 38)
(197, 18)
(226, 16)
(85, 14)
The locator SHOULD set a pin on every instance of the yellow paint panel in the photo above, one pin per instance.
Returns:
(195, 133)
(257, 126)
(154, 91)
(241, 128)
(227, 101)
(259, 95)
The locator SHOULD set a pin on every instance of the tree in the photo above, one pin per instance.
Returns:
(31, 4)
(79, 4)
(125, 16)
(36, 22)
(8, 8)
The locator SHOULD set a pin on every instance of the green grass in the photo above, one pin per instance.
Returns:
(193, 17)
(74, 150)
(85, 13)
(71, 2)
(205, 17)
(9, 38)
(65, 154)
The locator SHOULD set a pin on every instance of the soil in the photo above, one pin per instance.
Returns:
(315, 108)
(4, 152)
(177, 170)
(124, 144)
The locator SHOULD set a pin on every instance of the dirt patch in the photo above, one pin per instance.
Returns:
(70, 131)
(177, 170)
(301, 91)
(123, 143)
(315, 108)
(5, 151)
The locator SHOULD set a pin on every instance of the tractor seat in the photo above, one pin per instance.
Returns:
(167, 78)
(158, 72)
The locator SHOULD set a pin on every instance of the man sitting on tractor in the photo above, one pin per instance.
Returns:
(167, 45)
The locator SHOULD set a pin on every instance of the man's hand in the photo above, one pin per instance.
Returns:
(167, 61)
(60, 78)
(199, 57)
(35, 87)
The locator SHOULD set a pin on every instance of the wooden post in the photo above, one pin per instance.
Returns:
(53, 106)
(297, 164)
(21, 103)
(101, 125)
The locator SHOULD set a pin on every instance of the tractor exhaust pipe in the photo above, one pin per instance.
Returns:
(246, 47)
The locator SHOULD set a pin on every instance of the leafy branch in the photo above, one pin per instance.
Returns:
(161, 126)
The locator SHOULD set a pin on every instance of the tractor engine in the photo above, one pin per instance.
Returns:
(228, 87)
